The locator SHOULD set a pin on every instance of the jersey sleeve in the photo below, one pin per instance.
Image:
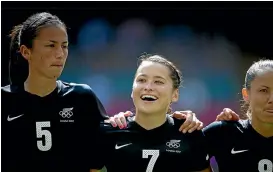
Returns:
(213, 134)
(199, 151)
(220, 135)
(91, 114)
(101, 148)
(93, 105)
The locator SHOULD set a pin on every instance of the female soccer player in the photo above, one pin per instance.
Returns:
(152, 142)
(48, 125)
(247, 145)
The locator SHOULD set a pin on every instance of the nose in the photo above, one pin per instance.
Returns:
(270, 101)
(148, 86)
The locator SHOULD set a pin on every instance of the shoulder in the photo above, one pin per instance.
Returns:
(77, 88)
(10, 93)
(226, 125)
(83, 95)
(6, 89)
(196, 136)
(175, 125)
(174, 122)
(224, 129)
(106, 126)
(9, 89)
(107, 129)
(132, 126)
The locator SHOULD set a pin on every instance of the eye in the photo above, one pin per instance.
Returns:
(141, 80)
(53, 45)
(263, 90)
(65, 46)
(159, 82)
(50, 45)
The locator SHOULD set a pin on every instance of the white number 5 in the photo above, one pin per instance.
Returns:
(155, 155)
(40, 132)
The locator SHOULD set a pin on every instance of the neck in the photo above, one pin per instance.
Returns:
(263, 128)
(150, 121)
(38, 85)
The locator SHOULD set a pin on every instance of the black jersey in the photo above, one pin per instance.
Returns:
(52, 133)
(162, 149)
(237, 147)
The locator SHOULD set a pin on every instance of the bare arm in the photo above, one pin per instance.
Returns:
(101, 170)
(93, 170)
(207, 170)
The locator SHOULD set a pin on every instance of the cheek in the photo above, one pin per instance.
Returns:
(46, 60)
(42, 56)
(135, 90)
(36, 59)
(165, 91)
(257, 102)
(65, 53)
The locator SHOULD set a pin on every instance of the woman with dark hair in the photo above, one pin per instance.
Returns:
(247, 145)
(152, 142)
(48, 124)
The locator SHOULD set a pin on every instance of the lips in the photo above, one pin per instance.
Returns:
(148, 97)
(269, 110)
(57, 65)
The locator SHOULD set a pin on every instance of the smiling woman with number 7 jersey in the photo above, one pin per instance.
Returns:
(152, 141)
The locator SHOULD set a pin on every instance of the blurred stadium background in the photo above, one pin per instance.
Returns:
(213, 45)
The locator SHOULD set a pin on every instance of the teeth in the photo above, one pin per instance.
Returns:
(148, 96)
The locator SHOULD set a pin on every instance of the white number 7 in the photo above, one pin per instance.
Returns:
(155, 155)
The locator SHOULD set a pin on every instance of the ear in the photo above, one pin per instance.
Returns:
(133, 86)
(245, 94)
(25, 52)
(175, 95)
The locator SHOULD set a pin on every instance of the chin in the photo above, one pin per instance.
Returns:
(149, 110)
(146, 110)
(54, 76)
(57, 74)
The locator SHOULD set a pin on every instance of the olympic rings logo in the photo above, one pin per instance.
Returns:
(66, 113)
(173, 144)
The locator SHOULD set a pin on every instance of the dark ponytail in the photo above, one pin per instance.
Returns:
(18, 65)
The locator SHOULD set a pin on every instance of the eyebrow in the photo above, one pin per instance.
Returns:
(264, 86)
(160, 77)
(57, 42)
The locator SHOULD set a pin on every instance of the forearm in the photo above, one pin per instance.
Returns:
(207, 170)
